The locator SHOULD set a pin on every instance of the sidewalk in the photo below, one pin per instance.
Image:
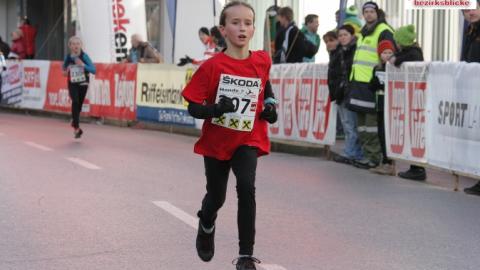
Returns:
(436, 177)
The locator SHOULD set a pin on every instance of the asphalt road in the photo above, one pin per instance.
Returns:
(122, 198)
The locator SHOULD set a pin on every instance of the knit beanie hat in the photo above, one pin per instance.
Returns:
(405, 35)
(370, 4)
(352, 11)
(384, 45)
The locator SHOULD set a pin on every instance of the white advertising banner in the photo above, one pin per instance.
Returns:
(405, 117)
(453, 106)
(11, 87)
(35, 78)
(305, 112)
(107, 25)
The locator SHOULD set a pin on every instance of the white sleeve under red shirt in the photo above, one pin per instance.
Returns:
(217, 141)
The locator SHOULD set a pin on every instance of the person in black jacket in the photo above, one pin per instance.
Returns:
(289, 42)
(471, 49)
(339, 68)
(405, 37)
(471, 53)
(4, 48)
(385, 50)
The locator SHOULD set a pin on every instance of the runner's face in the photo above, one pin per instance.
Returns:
(239, 28)
(472, 15)
(75, 46)
(344, 37)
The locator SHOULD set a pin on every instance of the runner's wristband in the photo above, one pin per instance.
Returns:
(270, 100)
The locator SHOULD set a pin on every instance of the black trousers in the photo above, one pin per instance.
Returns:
(77, 94)
(243, 165)
(381, 136)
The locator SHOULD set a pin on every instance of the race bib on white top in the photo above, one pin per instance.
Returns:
(244, 93)
(77, 74)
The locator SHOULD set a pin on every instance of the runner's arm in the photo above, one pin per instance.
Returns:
(201, 111)
(89, 66)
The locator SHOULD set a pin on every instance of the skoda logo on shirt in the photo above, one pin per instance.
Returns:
(240, 82)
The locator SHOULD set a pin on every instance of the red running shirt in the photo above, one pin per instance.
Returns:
(221, 142)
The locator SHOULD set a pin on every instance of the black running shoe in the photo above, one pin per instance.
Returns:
(474, 190)
(414, 173)
(246, 263)
(78, 133)
(205, 244)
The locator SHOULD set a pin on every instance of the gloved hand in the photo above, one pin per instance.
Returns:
(269, 113)
(185, 60)
(224, 105)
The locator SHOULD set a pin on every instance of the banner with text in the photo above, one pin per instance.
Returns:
(111, 93)
(159, 98)
(453, 106)
(305, 112)
(405, 116)
(11, 87)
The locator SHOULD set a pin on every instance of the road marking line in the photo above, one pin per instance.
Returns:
(39, 146)
(193, 222)
(83, 163)
(272, 267)
(178, 213)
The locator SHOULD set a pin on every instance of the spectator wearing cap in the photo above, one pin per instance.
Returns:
(385, 51)
(471, 53)
(351, 18)
(360, 99)
(310, 29)
(410, 51)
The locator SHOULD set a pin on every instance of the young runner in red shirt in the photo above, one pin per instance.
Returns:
(231, 92)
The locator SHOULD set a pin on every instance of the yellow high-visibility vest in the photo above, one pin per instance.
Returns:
(366, 56)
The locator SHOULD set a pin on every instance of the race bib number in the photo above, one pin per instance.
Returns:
(77, 74)
(244, 93)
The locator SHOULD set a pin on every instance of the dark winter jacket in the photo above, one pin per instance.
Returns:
(297, 52)
(408, 54)
(376, 85)
(339, 68)
(4, 48)
(471, 49)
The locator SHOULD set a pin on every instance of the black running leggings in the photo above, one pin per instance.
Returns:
(77, 94)
(243, 165)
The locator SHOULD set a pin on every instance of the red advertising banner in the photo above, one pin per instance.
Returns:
(111, 93)
(57, 99)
